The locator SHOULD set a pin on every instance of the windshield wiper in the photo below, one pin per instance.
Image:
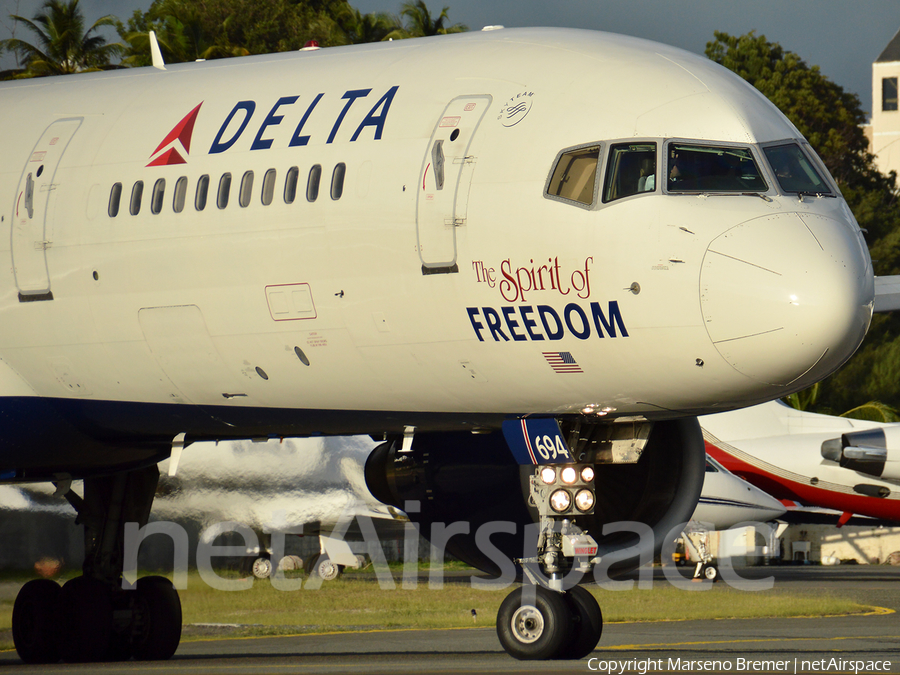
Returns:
(765, 198)
(806, 193)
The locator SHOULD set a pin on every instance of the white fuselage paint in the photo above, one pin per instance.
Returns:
(728, 501)
(194, 307)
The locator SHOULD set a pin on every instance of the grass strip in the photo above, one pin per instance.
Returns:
(357, 602)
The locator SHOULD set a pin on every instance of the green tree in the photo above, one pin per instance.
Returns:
(830, 119)
(182, 31)
(62, 46)
(873, 411)
(418, 22)
(364, 28)
(188, 30)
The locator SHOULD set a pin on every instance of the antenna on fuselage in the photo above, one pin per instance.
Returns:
(156, 52)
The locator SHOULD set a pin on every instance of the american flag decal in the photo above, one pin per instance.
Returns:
(562, 362)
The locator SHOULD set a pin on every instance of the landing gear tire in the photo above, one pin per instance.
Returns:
(158, 620)
(587, 626)
(324, 567)
(261, 568)
(711, 572)
(534, 628)
(34, 621)
(86, 618)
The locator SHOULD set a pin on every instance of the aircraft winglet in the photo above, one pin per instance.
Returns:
(156, 53)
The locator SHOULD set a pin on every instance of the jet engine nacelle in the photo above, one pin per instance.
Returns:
(874, 452)
(467, 493)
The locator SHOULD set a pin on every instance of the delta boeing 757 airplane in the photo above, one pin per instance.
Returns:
(525, 259)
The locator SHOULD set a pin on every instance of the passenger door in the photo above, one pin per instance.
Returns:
(444, 183)
(29, 226)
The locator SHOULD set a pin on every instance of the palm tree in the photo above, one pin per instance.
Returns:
(363, 28)
(874, 411)
(420, 23)
(62, 46)
(182, 32)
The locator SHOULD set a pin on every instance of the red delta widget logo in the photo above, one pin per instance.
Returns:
(176, 146)
(178, 138)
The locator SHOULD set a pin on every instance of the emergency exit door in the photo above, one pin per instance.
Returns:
(444, 183)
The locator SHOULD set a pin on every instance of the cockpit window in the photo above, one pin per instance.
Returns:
(794, 171)
(706, 168)
(631, 170)
(575, 175)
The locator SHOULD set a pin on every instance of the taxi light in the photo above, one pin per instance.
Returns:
(584, 500)
(548, 475)
(560, 501)
(587, 474)
(569, 475)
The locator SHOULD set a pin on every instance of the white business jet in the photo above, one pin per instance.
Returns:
(726, 501)
(444, 243)
(847, 465)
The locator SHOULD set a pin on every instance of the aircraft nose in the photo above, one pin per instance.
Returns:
(787, 296)
(764, 507)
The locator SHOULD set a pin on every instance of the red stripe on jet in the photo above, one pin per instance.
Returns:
(809, 495)
(528, 443)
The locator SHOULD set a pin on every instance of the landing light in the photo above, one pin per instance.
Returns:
(560, 501)
(584, 500)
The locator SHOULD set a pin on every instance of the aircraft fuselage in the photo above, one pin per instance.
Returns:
(432, 279)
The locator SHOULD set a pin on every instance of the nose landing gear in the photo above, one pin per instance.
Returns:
(543, 620)
(549, 625)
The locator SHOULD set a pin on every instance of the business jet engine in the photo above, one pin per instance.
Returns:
(874, 452)
(469, 495)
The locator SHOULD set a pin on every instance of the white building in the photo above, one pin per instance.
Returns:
(884, 132)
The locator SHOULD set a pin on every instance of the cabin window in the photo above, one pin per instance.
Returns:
(707, 168)
(156, 199)
(224, 190)
(290, 185)
(794, 171)
(136, 193)
(575, 175)
(631, 170)
(268, 188)
(180, 194)
(889, 94)
(246, 193)
(337, 181)
(312, 185)
(115, 196)
(202, 192)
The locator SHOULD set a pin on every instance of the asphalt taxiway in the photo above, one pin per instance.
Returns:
(813, 644)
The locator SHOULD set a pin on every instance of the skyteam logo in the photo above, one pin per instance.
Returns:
(515, 109)
(176, 141)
